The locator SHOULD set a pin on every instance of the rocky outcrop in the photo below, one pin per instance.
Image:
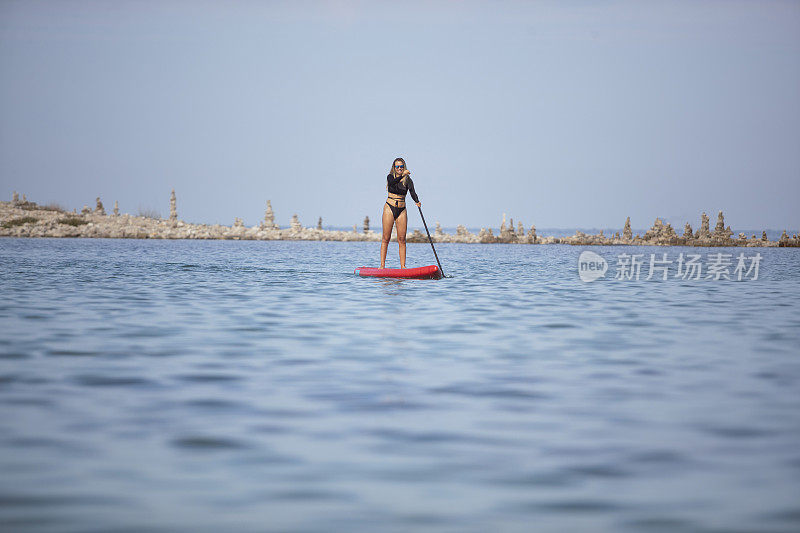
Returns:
(416, 236)
(786, 241)
(660, 233)
(269, 218)
(366, 224)
(28, 219)
(296, 226)
(507, 231)
(486, 236)
(116, 208)
(721, 233)
(627, 234)
(703, 232)
(532, 235)
(99, 209)
(173, 207)
(720, 227)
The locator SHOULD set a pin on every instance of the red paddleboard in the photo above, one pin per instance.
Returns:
(426, 272)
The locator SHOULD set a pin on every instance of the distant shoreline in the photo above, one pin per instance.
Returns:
(22, 218)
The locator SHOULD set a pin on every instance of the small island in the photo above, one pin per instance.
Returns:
(23, 218)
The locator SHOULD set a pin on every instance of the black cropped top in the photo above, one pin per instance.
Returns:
(396, 187)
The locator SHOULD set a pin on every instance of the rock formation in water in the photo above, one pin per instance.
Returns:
(532, 234)
(486, 236)
(416, 236)
(99, 209)
(319, 223)
(785, 240)
(438, 231)
(722, 235)
(366, 224)
(704, 232)
(173, 207)
(295, 224)
(660, 233)
(728, 233)
(52, 221)
(116, 208)
(269, 218)
(506, 231)
(720, 227)
(627, 234)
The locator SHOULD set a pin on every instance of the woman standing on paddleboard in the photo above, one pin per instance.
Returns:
(398, 183)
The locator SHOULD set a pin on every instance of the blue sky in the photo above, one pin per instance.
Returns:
(561, 114)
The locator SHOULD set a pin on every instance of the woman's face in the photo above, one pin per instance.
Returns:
(399, 166)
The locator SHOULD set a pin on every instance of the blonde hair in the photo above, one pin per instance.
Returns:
(393, 171)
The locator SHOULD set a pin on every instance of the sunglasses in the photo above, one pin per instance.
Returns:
(399, 166)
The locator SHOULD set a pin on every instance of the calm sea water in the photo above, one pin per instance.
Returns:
(261, 386)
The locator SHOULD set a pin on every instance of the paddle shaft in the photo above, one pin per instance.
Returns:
(430, 240)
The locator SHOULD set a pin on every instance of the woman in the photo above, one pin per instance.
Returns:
(398, 183)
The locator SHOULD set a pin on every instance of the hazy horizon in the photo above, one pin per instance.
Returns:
(561, 115)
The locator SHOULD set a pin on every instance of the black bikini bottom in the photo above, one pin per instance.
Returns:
(395, 210)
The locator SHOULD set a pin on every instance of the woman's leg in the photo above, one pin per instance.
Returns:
(402, 225)
(388, 222)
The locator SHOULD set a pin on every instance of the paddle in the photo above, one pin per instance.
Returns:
(430, 240)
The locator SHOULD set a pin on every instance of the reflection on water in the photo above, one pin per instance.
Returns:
(261, 386)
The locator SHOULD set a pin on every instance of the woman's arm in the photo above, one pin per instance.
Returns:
(411, 190)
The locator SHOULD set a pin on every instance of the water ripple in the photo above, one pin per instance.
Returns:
(251, 386)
